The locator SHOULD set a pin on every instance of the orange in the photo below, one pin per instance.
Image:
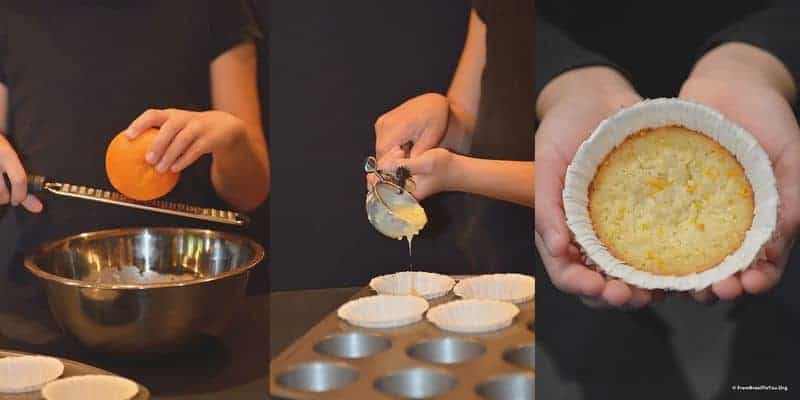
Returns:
(129, 172)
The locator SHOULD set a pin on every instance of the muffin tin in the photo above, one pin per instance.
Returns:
(336, 360)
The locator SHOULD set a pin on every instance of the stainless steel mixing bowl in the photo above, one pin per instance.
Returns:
(137, 315)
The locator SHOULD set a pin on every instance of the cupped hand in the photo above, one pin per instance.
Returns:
(185, 136)
(17, 194)
(767, 115)
(570, 108)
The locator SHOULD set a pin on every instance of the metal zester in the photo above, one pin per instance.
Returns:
(37, 183)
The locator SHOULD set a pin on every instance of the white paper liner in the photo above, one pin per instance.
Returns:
(694, 116)
(425, 284)
(91, 387)
(514, 288)
(473, 315)
(28, 373)
(383, 311)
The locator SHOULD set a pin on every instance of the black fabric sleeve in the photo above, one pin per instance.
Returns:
(775, 29)
(557, 53)
(232, 22)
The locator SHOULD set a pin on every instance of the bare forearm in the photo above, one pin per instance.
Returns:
(740, 63)
(510, 181)
(460, 125)
(240, 174)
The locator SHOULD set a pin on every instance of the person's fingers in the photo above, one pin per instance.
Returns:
(704, 296)
(166, 135)
(178, 146)
(192, 154)
(416, 166)
(639, 297)
(16, 177)
(5, 195)
(32, 204)
(428, 139)
(760, 277)
(728, 288)
(594, 302)
(569, 275)
(148, 119)
(617, 293)
(549, 219)
(658, 296)
(391, 133)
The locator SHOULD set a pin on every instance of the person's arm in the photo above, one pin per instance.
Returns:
(439, 170)
(747, 71)
(231, 132)
(772, 29)
(434, 119)
(510, 181)
(464, 94)
(240, 173)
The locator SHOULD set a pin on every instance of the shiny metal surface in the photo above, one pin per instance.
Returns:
(416, 383)
(38, 183)
(382, 198)
(523, 356)
(134, 316)
(318, 376)
(447, 350)
(418, 346)
(509, 387)
(352, 345)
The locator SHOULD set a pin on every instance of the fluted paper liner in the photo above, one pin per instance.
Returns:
(424, 284)
(473, 316)
(660, 113)
(383, 311)
(91, 387)
(515, 288)
(28, 373)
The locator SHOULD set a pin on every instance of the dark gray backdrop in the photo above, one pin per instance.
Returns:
(335, 67)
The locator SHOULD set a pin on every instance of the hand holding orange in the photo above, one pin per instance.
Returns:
(129, 171)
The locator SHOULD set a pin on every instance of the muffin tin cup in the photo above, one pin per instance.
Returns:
(416, 383)
(523, 356)
(421, 360)
(508, 387)
(353, 345)
(318, 376)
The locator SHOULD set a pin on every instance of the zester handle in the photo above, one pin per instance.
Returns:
(35, 183)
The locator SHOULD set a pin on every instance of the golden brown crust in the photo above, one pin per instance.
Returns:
(625, 241)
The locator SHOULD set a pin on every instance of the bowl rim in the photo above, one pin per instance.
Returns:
(31, 265)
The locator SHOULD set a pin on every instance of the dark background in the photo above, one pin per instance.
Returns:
(258, 229)
(334, 68)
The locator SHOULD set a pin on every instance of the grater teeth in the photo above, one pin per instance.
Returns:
(162, 206)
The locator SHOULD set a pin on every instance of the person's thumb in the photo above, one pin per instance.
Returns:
(32, 204)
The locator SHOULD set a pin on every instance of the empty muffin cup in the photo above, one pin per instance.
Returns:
(522, 356)
(352, 345)
(416, 383)
(447, 350)
(509, 387)
(318, 377)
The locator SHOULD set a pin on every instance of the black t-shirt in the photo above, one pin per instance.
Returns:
(78, 72)
(498, 236)
(677, 350)
(656, 43)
